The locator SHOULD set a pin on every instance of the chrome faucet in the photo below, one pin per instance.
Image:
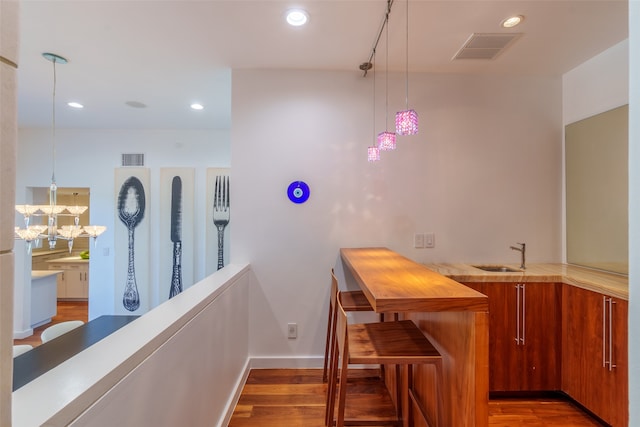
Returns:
(522, 249)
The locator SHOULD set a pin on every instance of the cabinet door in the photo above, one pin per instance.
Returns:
(524, 340)
(618, 375)
(62, 286)
(542, 343)
(585, 373)
(505, 355)
(61, 280)
(76, 285)
(505, 360)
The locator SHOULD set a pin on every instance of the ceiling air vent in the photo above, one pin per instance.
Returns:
(133, 159)
(485, 45)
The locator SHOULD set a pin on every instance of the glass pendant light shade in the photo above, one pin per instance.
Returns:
(407, 122)
(373, 154)
(387, 141)
(53, 210)
(77, 210)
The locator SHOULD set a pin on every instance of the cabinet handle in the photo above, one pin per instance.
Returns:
(611, 364)
(604, 332)
(524, 305)
(518, 314)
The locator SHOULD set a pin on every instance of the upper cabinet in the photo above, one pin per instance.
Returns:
(9, 11)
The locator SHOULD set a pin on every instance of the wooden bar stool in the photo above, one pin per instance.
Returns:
(351, 301)
(398, 343)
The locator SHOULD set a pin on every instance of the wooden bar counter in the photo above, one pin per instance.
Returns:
(454, 317)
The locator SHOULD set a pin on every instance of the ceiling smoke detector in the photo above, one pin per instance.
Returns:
(486, 45)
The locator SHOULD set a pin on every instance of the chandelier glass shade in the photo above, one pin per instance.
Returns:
(52, 211)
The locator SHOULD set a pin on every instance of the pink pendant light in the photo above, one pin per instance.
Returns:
(386, 139)
(407, 120)
(373, 154)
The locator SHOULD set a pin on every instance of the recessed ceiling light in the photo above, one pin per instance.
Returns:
(297, 17)
(75, 105)
(512, 21)
(197, 106)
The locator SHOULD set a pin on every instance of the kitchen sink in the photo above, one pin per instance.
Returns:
(497, 268)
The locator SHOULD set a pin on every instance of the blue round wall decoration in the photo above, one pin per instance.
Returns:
(298, 192)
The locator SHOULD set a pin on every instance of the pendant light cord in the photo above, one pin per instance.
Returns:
(386, 102)
(407, 59)
(53, 126)
(375, 142)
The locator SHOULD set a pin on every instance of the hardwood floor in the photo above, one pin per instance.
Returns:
(67, 310)
(295, 397)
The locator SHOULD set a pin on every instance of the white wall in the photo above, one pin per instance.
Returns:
(598, 85)
(87, 158)
(483, 174)
(181, 364)
(634, 211)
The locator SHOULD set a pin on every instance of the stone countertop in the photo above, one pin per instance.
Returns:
(36, 254)
(40, 274)
(69, 259)
(616, 285)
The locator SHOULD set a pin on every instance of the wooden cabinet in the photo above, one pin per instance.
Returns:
(594, 361)
(524, 335)
(73, 283)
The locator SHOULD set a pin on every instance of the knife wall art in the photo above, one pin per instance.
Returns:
(131, 239)
(176, 232)
(218, 218)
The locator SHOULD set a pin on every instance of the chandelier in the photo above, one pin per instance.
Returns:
(50, 231)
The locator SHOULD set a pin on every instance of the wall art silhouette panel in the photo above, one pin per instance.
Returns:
(131, 251)
(219, 214)
(176, 231)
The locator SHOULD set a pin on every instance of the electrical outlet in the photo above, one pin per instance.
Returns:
(418, 240)
(292, 331)
(429, 240)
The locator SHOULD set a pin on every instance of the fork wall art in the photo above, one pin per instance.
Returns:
(131, 240)
(218, 218)
(176, 231)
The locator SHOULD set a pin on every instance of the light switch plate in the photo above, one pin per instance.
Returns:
(429, 240)
(418, 240)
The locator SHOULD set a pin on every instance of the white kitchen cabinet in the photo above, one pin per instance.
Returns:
(73, 283)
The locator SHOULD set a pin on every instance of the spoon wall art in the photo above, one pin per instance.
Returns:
(131, 208)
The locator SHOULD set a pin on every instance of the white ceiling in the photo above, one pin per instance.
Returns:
(170, 53)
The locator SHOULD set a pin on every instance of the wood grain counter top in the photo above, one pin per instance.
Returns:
(393, 283)
(616, 285)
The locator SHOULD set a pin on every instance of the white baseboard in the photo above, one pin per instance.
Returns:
(233, 400)
(286, 362)
(18, 335)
